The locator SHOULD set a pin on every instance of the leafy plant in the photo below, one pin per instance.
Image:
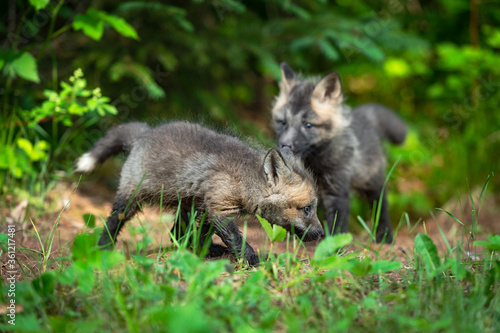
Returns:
(72, 101)
(27, 155)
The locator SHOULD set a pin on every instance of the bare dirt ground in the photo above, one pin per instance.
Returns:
(72, 203)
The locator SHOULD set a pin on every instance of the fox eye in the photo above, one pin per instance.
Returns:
(308, 125)
(282, 122)
(307, 210)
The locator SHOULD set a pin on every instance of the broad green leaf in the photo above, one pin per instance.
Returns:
(267, 227)
(371, 50)
(328, 49)
(91, 104)
(5, 153)
(330, 245)
(274, 232)
(492, 244)
(361, 267)
(302, 42)
(35, 153)
(42, 145)
(428, 252)
(68, 276)
(50, 94)
(457, 268)
(279, 233)
(110, 108)
(84, 246)
(84, 93)
(25, 145)
(120, 25)
(17, 172)
(383, 266)
(91, 25)
(4, 242)
(89, 220)
(109, 259)
(45, 283)
(39, 4)
(87, 278)
(396, 67)
(25, 67)
(101, 111)
(29, 323)
(77, 109)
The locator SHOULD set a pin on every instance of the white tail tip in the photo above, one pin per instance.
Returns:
(85, 163)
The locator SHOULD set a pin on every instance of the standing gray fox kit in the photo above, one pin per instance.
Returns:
(217, 173)
(341, 146)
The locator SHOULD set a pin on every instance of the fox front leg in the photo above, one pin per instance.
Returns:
(336, 202)
(337, 210)
(227, 230)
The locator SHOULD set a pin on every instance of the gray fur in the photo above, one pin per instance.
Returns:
(217, 173)
(342, 146)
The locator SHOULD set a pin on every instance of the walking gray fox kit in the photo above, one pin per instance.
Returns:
(341, 146)
(217, 173)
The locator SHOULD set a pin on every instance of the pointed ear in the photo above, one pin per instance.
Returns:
(288, 77)
(329, 89)
(275, 168)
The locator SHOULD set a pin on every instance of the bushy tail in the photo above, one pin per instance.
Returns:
(388, 123)
(119, 139)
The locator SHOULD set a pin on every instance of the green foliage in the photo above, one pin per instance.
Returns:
(89, 220)
(92, 24)
(218, 61)
(25, 155)
(39, 4)
(275, 232)
(180, 292)
(73, 101)
(331, 245)
(425, 247)
(35, 134)
(22, 65)
(492, 244)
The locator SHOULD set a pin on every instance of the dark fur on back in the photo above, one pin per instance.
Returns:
(342, 146)
(217, 173)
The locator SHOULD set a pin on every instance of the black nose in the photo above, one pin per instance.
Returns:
(286, 144)
(322, 234)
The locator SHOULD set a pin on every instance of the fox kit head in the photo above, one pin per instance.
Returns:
(291, 198)
(307, 114)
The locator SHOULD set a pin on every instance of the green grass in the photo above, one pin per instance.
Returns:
(344, 287)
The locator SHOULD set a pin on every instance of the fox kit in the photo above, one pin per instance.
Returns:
(341, 146)
(217, 173)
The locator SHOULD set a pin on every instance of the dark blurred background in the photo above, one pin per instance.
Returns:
(435, 62)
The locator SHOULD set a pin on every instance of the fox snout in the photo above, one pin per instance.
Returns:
(312, 233)
(286, 139)
(286, 144)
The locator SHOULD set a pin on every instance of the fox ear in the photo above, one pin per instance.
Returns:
(275, 168)
(287, 77)
(287, 72)
(329, 89)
